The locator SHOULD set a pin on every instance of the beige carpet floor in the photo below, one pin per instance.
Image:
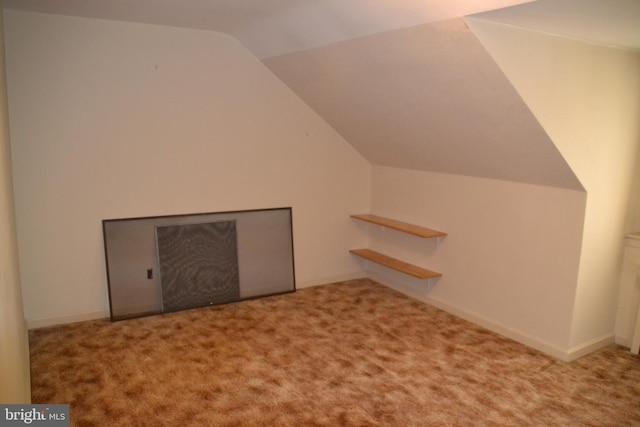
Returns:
(346, 354)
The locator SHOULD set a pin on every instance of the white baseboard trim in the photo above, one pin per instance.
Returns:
(623, 341)
(583, 349)
(330, 279)
(43, 322)
(565, 355)
(506, 331)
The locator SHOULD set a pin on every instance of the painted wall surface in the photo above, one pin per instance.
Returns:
(113, 120)
(587, 97)
(15, 384)
(633, 218)
(510, 260)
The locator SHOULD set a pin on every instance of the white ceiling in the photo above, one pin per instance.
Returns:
(274, 27)
(404, 81)
(610, 22)
(429, 98)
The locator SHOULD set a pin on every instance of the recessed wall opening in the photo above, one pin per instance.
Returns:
(168, 263)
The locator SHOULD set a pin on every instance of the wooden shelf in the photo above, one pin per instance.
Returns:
(405, 227)
(395, 264)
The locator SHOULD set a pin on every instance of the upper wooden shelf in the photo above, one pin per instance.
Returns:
(405, 227)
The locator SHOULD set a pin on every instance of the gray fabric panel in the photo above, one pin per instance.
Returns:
(198, 264)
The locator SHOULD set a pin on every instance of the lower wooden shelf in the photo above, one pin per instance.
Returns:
(395, 264)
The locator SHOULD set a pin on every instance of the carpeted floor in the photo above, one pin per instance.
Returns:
(346, 354)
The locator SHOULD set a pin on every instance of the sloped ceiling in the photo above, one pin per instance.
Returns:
(272, 27)
(404, 81)
(610, 22)
(427, 98)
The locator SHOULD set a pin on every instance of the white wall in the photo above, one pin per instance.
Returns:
(510, 260)
(112, 120)
(14, 351)
(633, 218)
(587, 98)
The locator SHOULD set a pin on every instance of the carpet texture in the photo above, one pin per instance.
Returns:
(345, 354)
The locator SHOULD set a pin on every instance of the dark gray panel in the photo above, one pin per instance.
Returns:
(198, 264)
